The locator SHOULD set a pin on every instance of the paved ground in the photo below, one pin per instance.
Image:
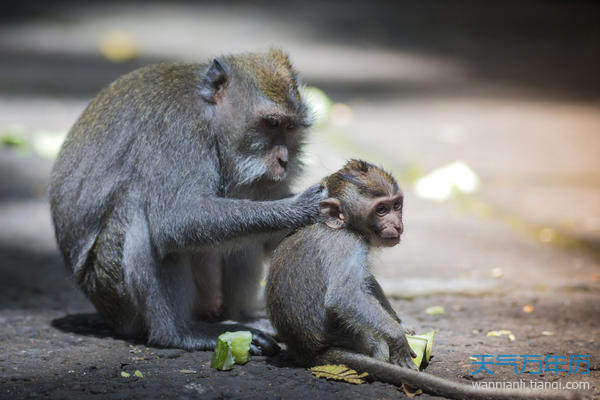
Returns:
(422, 86)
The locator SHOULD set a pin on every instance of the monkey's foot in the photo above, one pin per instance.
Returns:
(402, 355)
(206, 334)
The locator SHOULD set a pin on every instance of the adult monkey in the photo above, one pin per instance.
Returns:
(169, 184)
(327, 306)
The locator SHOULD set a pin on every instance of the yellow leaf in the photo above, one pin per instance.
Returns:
(411, 391)
(138, 373)
(503, 332)
(125, 374)
(338, 373)
(528, 308)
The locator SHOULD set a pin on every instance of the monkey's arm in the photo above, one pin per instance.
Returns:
(206, 222)
(377, 292)
(349, 300)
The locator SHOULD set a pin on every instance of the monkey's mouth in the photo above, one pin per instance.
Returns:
(389, 241)
(277, 173)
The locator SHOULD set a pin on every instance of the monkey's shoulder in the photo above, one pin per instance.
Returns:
(166, 81)
(328, 243)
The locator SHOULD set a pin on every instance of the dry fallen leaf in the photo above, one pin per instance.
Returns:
(528, 308)
(411, 391)
(187, 371)
(502, 332)
(547, 333)
(338, 373)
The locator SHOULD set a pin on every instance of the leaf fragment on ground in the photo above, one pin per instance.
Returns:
(435, 310)
(502, 332)
(125, 374)
(421, 345)
(417, 345)
(411, 391)
(138, 373)
(547, 333)
(187, 371)
(232, 347)
(339, 373)
(528, 308)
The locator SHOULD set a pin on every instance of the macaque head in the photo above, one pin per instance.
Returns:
(259, 111)
(366, 199)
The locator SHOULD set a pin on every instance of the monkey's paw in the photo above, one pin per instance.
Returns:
(308, 201)
(402, 355)
(263, 344)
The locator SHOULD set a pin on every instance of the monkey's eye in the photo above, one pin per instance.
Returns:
(397, 205)
(272, 122)
(381, 209)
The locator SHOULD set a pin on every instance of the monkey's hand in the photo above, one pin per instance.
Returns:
(401, 354)
(308, 203)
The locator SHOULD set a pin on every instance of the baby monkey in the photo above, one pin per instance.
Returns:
(327, 306)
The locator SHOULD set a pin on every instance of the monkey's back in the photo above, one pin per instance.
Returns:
(140, 113)
(297, 285)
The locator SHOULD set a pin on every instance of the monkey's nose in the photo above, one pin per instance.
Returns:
(282, 162)
(400, 228)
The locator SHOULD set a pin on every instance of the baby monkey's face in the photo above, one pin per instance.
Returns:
(384, 220)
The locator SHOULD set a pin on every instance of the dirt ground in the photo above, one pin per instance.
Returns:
(512, 91)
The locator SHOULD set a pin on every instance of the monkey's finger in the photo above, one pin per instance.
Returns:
(255, 350)
(261, 351)
(411, 365)
(267, 345)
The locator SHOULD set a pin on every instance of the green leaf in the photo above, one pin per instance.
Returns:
(138, 373)
(222, 358)
(423, 351)
(435, 310)
(240, 345)
(418, 345)
(232, 347)
(125, 374)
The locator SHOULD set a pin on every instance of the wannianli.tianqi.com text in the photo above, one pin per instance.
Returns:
(533, 384)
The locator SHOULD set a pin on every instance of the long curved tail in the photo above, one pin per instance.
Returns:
(390, 373)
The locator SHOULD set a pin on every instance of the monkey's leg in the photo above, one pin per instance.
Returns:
(208, 294)
(207, 270)
(365, 313)
(242, 271)
(361, 341)
(122, 279)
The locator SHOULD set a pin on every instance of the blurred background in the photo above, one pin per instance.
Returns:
(488, 113)
(492, 108)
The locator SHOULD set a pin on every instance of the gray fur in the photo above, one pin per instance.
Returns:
(161, 211)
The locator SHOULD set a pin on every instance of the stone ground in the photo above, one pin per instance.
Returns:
(512, 91)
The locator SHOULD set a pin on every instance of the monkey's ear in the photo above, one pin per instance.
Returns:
(214, 81)
(331, 211)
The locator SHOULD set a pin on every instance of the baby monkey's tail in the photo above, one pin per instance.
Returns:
(390, 373)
